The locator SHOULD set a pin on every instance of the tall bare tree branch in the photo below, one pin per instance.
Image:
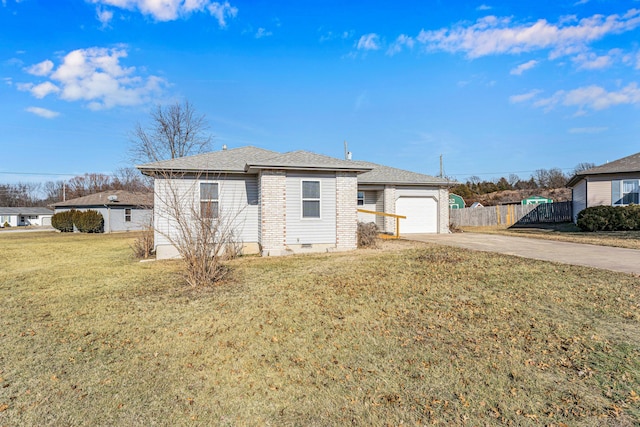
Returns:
(176, 130)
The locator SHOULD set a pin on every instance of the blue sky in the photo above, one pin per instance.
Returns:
(496, 87)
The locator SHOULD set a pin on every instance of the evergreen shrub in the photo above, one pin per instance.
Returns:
(610, 218)
(63, 221)
(89, 221)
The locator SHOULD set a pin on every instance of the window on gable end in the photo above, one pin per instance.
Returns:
(310, 199)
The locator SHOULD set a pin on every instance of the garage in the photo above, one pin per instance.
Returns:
(421, 213)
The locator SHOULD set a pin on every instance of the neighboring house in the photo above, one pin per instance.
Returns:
(122, 210)
(16, 217)
(615, 183)
(297, 201)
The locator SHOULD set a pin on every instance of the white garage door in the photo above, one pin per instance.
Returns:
(421, 213)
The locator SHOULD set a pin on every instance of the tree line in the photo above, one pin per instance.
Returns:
(540, 179)
(24, 194)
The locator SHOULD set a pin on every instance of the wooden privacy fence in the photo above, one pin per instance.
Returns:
(511, 214)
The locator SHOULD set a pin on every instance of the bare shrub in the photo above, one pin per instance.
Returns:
(143, 246)
(203, 233)
(454, 228)
(367, 235)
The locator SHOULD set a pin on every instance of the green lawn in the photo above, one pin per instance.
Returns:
(409, 334)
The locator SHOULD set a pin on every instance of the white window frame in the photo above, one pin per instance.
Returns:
(310, 199)
(216, 201)
(622, 193)
(129, 215)
(360, 200)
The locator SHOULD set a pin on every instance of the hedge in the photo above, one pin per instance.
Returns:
(87, 222)
(63, 221)
(610, 218)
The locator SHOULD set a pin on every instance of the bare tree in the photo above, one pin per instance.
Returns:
(130, 179)
(175, 131)
(21, 194)
(581, 167)
(557, 178)
(513, 179)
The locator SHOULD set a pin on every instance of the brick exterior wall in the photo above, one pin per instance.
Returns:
(390, 207)
(273, 211)
(443, 205)
(346, 210)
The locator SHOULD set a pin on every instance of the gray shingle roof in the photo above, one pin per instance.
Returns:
(233, 160)
(251, 159)
(626, 164)
(124, 198)
(306, 160)
(25, 211)
(381, 174)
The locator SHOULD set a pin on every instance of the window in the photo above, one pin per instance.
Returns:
(127, 215)
(310, 199)
(625, 192)
(360, 198)
(209, 200)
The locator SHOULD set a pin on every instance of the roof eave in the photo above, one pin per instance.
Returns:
(251, 168)
(411, 183)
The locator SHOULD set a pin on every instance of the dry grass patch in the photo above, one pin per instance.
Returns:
(409, 333)
(568, 233)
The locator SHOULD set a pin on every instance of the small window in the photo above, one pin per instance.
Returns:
(310, 199)
(625, 192)
(630, 192)
(209, 200)
(360, 198)
(127, 215)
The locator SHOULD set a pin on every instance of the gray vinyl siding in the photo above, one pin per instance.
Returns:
(579, 198)
(599, 191)
(114, 217)
(311, 230)
(238, 203)
(370, 204)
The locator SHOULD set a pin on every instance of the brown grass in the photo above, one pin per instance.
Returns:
(413, 334)
(567, 233)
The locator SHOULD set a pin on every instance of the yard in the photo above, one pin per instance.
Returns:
(566, 232)
(413, 334)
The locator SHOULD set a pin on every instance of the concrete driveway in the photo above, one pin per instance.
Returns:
(604, 257)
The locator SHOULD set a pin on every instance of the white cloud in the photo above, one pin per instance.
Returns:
(96, 76)
(170, 10)
(492, 35)
(591, 61)
(588, 130)
(524, 67)
(402, 41)
(263, 33)
(42, 112)
(515, 99)
(104, 16)
(368, 42)
(483, 7)
(40, 69)
(44, 89)
(592, 97)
